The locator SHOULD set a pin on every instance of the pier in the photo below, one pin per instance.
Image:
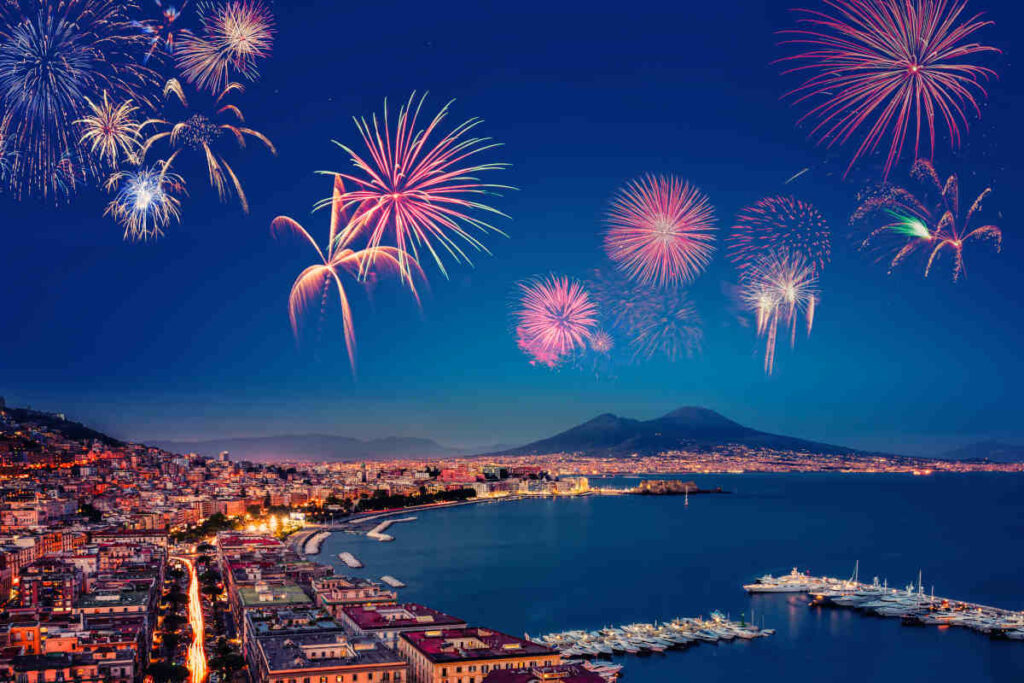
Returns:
(911, 604)
(312, 544)
(378, 531)
(350, 560)
(646, 638)
(392, 581)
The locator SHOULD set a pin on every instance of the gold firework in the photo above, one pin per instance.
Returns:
(201, 132)
(111, 130)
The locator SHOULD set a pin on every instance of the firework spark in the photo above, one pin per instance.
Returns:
(236, 36)
(556, 318)
(417, 191)
(933, 222)
(146, 201)
(779, 222)
(779, 288)
(661, 230)
(54, 59)
(602, 342)
(883, 69)
(111, 131)
(314, 284)
(199, 131)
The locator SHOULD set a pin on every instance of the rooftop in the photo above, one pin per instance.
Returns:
(378, 617)
(461, 644)
(122, 598)
(323, 650)
(288, 593)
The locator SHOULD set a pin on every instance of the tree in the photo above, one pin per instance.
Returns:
(164, 672)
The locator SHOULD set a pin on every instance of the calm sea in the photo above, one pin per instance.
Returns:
(544, 565)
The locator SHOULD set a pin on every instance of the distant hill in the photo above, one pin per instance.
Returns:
(688, 427)
(993, 451)
(54, 422)
(311, 447)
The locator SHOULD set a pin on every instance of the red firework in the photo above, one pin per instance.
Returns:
(556, 317)
(879, 68)
(420, 192)
(661, 230)
(780, 222)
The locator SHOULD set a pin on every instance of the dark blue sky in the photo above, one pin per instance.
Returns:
(188, 337)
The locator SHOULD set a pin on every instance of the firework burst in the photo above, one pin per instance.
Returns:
(54, 58)
(661, 230)
(199, 131)
(779, 222)
(555, 318)
(885, 69)
(932, 223)
(656, 321)
(236, 36)
(417, 191)
(146, 201)
(164, 32)
(340, 258)
(111, 131)
(779, 289)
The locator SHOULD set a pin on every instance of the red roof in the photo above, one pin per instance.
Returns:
(406, 615)
(463, 644)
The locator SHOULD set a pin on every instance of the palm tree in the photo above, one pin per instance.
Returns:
(339, 257)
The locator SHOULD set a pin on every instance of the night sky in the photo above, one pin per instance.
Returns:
(188, 337)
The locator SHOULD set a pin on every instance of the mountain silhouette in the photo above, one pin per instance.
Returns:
(690, 427)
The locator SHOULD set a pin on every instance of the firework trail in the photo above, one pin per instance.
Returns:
(236, 35)
(555, 318)
(661, 230)
(56, 57)
(416, 191)
(885, 69)
(933, 222)
(146, 201)
(779, 288)
(197, 131)
(340, 257)
(111, 131)
(779, 222)
(654, 320)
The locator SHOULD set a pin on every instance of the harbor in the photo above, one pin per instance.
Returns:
(641, 639)
(911, 604)
(378, 531)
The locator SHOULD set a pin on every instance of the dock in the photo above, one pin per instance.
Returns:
(634, 639)
(378, 531)
(350, 560)
(392, 581)
(911, 604)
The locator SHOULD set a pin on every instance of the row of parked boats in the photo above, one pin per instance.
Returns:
(638, 639)
(911, 604)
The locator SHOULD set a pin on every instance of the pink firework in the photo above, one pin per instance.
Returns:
(418, 191)
(661, 230)
(779, 222)
(878, 70)
(556, 318)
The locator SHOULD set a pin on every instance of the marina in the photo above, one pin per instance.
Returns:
(378, 531)
(911, 604)
(640, 639)
(350, 560)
